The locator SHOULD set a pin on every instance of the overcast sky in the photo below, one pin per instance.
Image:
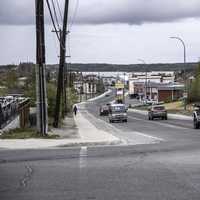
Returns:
(106, 31)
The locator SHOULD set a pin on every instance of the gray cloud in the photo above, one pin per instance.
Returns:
(16, 12)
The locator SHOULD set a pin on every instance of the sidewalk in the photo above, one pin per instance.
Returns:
(77, 132)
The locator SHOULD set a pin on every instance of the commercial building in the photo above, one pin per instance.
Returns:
(158, 86)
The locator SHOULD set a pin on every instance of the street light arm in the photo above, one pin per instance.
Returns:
(184, 46)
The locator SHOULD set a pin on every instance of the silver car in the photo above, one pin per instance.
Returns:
(117, 112)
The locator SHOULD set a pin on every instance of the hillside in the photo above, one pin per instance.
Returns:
(27, 67)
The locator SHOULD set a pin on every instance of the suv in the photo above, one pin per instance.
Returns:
(196, 116)
(157, 111)
(117, 112)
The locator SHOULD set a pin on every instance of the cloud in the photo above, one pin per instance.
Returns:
(137, 11)
(17, 12)
(21, 12)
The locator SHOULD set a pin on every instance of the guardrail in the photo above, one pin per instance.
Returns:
(11, 107)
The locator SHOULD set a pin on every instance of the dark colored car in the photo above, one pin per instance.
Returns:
(157, 111)
(104, 110)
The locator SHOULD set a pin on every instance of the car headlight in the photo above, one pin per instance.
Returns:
(125, 114)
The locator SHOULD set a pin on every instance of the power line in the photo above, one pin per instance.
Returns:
(59, 10)
(69, 45)
(75, 14)
(55, 14)
(52, 19)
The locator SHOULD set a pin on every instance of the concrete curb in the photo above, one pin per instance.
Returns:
(48, 143)
(171, 116)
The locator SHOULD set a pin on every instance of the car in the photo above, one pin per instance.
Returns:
(196, 116)
(117, 112)
(150, 102)
(103, 110)
(157, 111)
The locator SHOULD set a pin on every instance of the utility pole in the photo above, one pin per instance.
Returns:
(146, 74)
(42, 117)
(60, 84)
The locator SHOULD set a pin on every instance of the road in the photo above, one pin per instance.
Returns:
(168, 169)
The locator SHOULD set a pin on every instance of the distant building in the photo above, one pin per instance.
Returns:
(138, 80)
(158, 91)
(109, 80)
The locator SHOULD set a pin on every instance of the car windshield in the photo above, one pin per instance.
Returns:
(159, 108)
(118, 109)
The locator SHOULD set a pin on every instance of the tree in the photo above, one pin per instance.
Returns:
(194, 93)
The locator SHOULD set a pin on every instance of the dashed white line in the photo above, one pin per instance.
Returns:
(83, 157)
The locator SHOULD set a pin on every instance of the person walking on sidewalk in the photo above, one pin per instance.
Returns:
(75, 109)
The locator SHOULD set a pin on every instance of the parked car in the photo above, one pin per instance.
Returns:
(104, 110)
(196, 116)
(149, 102)
(157, 111)
(118, 112)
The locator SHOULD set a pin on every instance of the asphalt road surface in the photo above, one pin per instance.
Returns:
(167, 170)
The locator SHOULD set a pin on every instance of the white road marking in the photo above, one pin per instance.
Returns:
(148, 136)
(119, 131)
(160, 123)
(83, 157)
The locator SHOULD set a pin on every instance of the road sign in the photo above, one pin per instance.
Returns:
(185, 95)
(119, 86)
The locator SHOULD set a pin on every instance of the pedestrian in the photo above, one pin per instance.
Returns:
(75, 110)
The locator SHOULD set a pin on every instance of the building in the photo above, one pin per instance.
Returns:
(158, 91)
(109, 80)
(139, 80)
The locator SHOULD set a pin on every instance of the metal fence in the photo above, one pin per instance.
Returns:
(11, 107)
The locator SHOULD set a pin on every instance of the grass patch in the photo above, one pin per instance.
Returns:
(25, 134)
(177, 107)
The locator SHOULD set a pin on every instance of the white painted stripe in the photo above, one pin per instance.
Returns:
(148, 136)
(160, 123)
(83, 157)
(123, 141)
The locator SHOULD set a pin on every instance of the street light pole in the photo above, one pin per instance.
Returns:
(141, 60)
(184, 59)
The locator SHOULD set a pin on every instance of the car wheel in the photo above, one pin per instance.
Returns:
(166, 118)
(126, 120)
(196, 124)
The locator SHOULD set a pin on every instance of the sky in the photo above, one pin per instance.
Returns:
(102, 31)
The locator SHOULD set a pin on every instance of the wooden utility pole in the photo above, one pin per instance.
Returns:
(60, 84)
(41, 94)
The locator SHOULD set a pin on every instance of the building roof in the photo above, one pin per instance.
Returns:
(163, 86)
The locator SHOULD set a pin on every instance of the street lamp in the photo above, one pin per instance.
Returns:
(141, 60)
(184, 57)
